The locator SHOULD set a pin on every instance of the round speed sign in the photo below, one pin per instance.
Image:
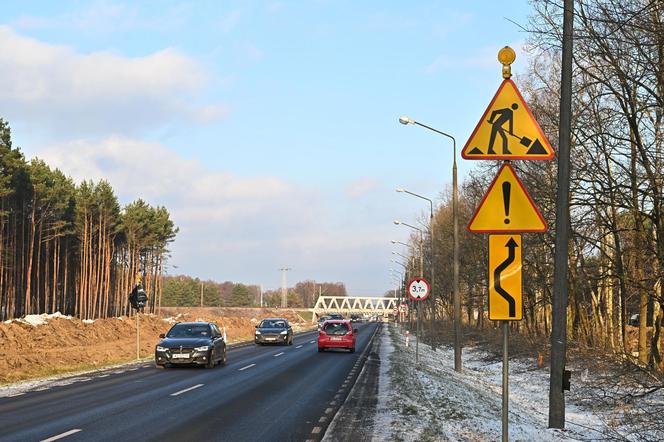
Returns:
(418, 289)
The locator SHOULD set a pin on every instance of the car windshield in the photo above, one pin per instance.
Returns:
(189, 331)
(336, 328)
(271, 323)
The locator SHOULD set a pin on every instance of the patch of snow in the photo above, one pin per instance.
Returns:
(88, 321)
(431, 401)
(37, 320)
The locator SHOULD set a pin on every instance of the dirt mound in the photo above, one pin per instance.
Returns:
(58, 344)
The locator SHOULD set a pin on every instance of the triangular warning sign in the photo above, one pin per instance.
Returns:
(507, 130)
(507, 207)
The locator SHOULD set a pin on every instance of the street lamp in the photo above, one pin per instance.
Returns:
(397, 222)
(401, 255)
(455, 212)
(433, 265)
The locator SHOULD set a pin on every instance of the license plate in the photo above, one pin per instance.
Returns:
(180, 356)
(336, 339)
(270, 339)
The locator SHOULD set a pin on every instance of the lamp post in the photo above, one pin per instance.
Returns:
(455, 214)
(419, 335)
(432, 300)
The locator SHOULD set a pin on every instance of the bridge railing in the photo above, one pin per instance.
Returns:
(354, 304)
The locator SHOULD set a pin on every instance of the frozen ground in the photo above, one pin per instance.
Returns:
(429, 401)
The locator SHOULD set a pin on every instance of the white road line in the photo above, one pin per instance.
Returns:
(316, 430)
(278, 354)
(177, 393)
(104, 376)
(328, 410)
(61, 435)
(248, 366)
(322, 419)
(299, 346)
(311, 342)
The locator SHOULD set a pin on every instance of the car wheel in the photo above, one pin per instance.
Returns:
(352, 349)
(210, 362)
(223, 358)
(159, 366)
(290, 341)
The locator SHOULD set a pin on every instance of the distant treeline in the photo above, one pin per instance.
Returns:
(185, 291)
(70, 247)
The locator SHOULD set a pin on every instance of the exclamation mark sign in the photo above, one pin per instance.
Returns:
(507, 187)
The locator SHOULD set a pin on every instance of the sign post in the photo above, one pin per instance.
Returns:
(506, 131)
(418, 290)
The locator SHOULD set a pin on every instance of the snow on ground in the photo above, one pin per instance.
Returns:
(431, 401)
(36, 320)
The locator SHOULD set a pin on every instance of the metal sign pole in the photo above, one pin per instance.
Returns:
(138, 336)
(417, 342)
(506, 330)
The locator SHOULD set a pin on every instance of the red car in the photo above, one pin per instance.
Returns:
(336, 333)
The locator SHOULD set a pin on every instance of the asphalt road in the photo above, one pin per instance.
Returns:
(271, 393)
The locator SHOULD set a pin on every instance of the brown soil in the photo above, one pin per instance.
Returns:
(64, 345)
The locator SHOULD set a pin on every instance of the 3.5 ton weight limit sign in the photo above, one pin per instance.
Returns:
(418, 289)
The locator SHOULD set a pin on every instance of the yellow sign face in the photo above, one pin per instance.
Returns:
(507, 207)
(505, 289)
(507, 130)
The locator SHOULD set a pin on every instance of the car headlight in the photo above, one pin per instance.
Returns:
(202, 348)
(160, 348)
(284, 332)
(257, 332)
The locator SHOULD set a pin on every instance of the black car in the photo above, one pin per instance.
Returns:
(198, 343)
(274, 331)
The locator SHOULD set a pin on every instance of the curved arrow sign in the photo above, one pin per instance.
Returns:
(505, 291)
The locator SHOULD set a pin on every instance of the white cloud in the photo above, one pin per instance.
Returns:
(362, 186)
(482, 58)
(55, 87)
(231, 227)
(230, 20)
(153, 172)
(107, 17)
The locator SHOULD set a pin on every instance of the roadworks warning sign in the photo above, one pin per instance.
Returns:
(507, 130)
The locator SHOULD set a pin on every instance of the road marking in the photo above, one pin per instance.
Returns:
(177, 393)
(61, 435)
(278, 354)
(328, 410)
(299, 346)
(104, 376)
(248, 366)
(311, 342)
(322, 419)
(316, 430)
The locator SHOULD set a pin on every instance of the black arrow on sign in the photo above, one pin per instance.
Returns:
(511, 245)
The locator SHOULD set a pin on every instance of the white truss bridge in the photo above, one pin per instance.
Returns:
(354, 304)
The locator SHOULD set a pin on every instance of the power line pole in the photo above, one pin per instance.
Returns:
(202, 284)
(284, 287)
(560, 269)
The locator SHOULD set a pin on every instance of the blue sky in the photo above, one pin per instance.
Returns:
(269, 129)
